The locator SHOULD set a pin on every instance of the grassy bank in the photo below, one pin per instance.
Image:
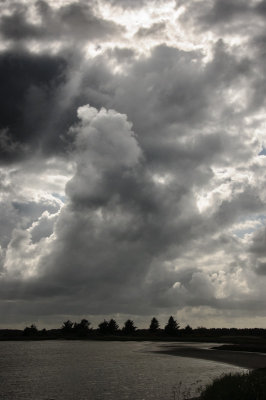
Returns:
(249, 386)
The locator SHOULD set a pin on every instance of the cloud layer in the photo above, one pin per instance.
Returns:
(132, 149)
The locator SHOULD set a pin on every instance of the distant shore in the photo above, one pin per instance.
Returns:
(244, 359)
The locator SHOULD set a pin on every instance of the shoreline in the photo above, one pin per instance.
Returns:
(247, 360)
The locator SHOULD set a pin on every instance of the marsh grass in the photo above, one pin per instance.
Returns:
(182, 392)
(241, 386)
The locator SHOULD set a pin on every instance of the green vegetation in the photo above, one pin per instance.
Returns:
(249, 386)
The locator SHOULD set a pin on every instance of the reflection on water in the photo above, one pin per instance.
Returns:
(87, 370)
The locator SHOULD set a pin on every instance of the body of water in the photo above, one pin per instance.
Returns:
(91, 370)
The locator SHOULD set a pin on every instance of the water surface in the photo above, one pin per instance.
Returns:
(91, 370)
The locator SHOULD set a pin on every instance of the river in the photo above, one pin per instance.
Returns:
(91, 370)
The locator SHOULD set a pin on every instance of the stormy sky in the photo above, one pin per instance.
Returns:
(132, 161)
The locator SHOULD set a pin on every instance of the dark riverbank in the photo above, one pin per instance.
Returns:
(139, 335)
(242, 340)
(244, 359)
(252, 347)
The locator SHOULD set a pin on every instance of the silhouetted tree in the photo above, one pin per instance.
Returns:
(82, 328)
(108, 327)
(154, 325)
(29, 331)
(67, 326)
(172, 326)
(84, 324)
(112, 326)
(103, 327)
(188, 329)
(129, 327)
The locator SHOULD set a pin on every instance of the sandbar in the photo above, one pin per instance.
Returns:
(244, 359)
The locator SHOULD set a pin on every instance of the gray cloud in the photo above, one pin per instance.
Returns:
(74, 21)
(153, 30)
(134, 4)
(43, 228)
(225, 19)
(122, 55)
(225, 11)
(128, 174)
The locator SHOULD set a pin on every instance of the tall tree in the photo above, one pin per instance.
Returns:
(112, 326)
(82, 328)
(129, 327)
(172, 326)
(154, 325)
(103, 327)
(67, 326)
(29, 331)
(188, 329)
(84, 324)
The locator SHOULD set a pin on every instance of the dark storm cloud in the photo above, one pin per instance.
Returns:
(260, 7)
(75, 21)
(116, 198)
(16, 27)
(28, 86)
(162, 172)
(10, 148)
(44, 106)
(176, 92)
(109, 210)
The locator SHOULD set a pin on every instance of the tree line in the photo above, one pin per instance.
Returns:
(111, 327)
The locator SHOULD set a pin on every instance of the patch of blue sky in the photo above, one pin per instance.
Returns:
(261, 218)
(262, 152)
(242, 232)
(258, 222)
(60, 197)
